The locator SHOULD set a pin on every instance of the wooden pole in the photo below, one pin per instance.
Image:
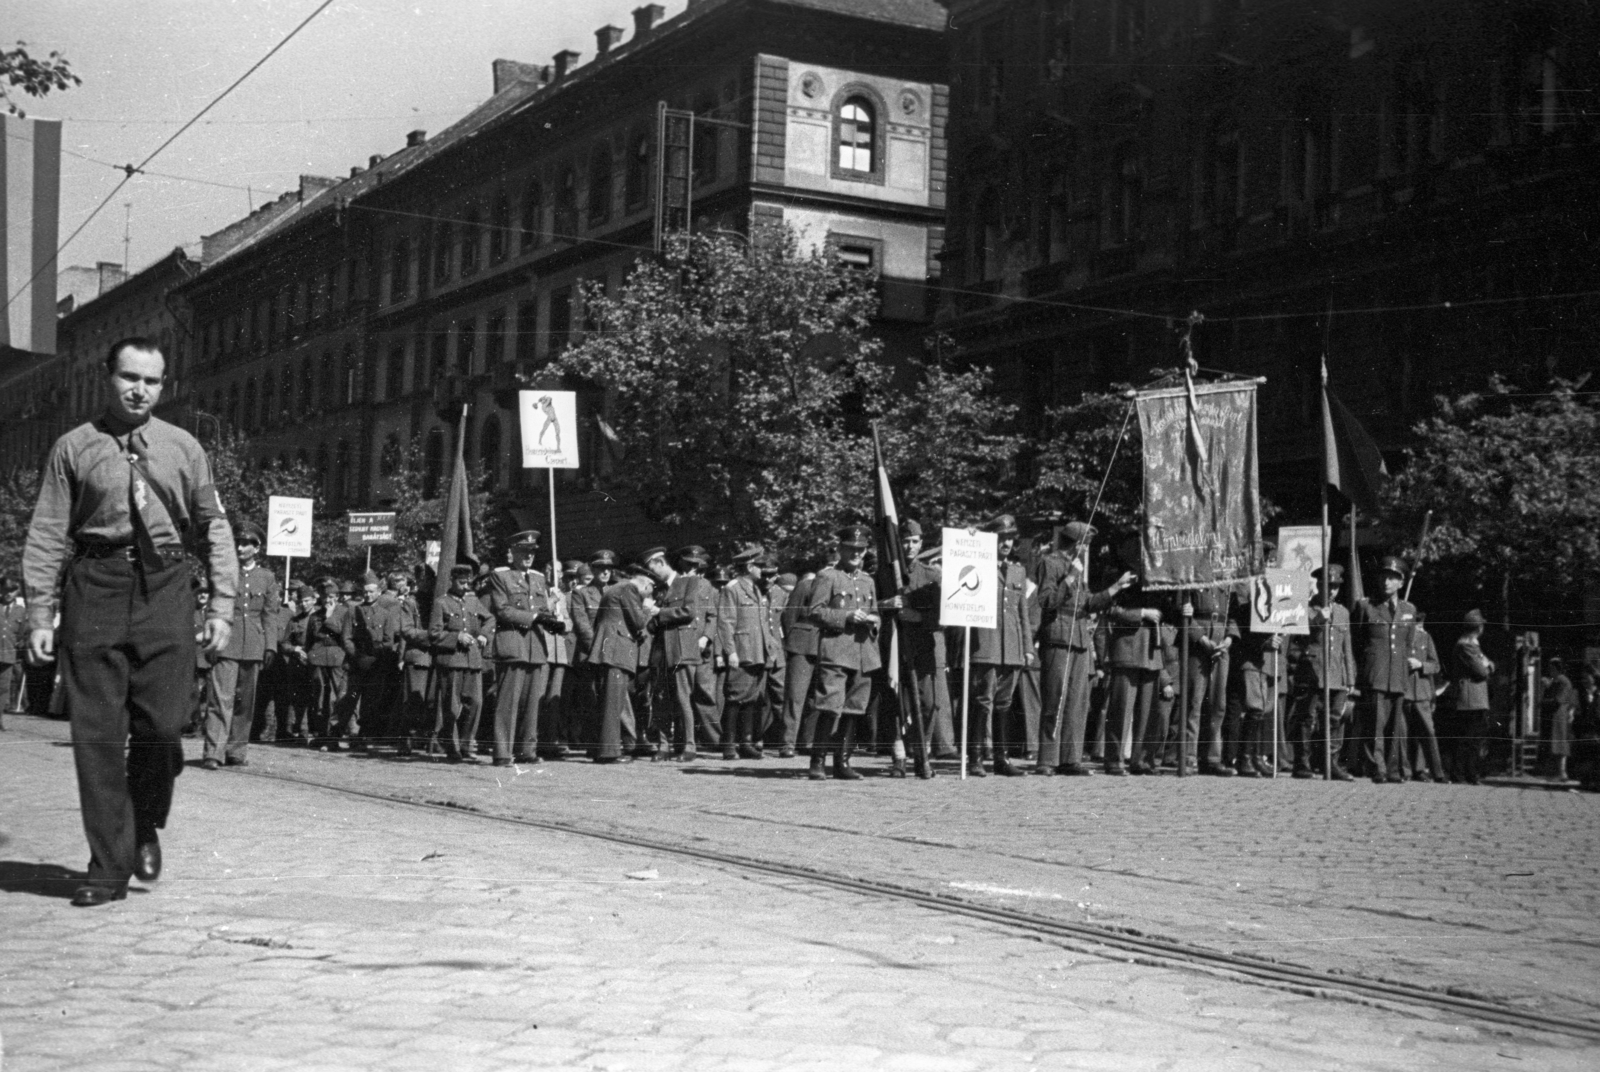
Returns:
(966, 692)
(1327, 641)
(369, 558)
(287, 561)
(1185, 607)
(555, 559)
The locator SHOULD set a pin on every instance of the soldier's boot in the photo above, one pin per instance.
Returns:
(819, 764)
(749, 715)
(975, 764)
(730, 731)
(922, 766)
(841, 754)
(1244, 760)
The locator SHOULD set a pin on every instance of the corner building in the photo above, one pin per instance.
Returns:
(448, 272)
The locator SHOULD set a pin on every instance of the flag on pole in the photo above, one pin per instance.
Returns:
(1197, 442)
(891, 570)
(455, 537)
(30, 208)
(1355, 466)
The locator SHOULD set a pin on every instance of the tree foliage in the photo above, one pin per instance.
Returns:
(20, 70)
(737, 376)
(1514, 486)
(1091, 441)
(19, 490)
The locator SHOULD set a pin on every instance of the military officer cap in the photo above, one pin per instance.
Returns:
(527, 539)
(245, 532)
(1335, 573)
(1473, 617)
(1078, 531)
(721, 574)
(855, 536)
(908, 527)
(694, 554)
(462, 571)
(1004, 525)
(347, 588)
(748, 551)
(371, 577)
(8, 583)
(1392, 564)
(769, 566)
(787, 580)
(571, 567)
(603, 560)
(651, 552)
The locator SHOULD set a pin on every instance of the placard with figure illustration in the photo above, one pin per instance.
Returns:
(549, 429)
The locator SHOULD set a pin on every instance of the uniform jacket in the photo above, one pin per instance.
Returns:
(1131, 642)
(688, 613)
(1335, 621)
(1008, 643)
(1210, 625)
(742, 609)
(777, 599)
(415, 642)
(255, 616)
(834, 594)
(516, 599)
(583, 607)
(451, 616)
(372, 634)
(801, 635)
(326, 631)
(1382, 633)
(558, 646)
(1469, 671)
(919, 619)
(621, 626)
(1420, 687)
(294, 643)
(1066, 605)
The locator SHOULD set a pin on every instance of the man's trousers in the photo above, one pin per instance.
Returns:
(1132, 694)
(1061, 724)
(227, 725)
(1383, 734)
(797, 700)
(460, 703)
(127, 653)
(617, 725)
(519, 692)
(994, 688)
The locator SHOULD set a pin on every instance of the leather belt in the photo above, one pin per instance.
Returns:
(123, 550)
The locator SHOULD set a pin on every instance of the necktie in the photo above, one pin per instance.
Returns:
(142, 505)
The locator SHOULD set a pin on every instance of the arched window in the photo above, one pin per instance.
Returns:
(352, 375)
(268, 414)
(307, 399)
(233, 405)
(1120, 196)
(443, 240)
(533, 215)
(600, 185)
(329, 390)
(343, 476)
(489, 450)
(432, 464)
(467, 347)
(499, 228)
(566, 214)
(287, 393)
(471, 231)
(400, 271)
(856, 131)
(636, 189)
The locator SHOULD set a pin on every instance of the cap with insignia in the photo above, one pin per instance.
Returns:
(603, 560)
(1392, 564)
(462, 571)
(526, 540)
(693, 554)
(245, 532)
(747, 551)
(1004, 525)
(1335, 573)
(856, 536)
(651, 552)
(908, 527)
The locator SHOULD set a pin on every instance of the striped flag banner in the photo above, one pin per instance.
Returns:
(30, 212)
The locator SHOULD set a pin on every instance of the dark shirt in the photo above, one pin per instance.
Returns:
(84, 498)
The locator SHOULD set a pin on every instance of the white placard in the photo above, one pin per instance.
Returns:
(288, 526)
(549, 429)
(969, 587)
(431, 550)
(1300, 547)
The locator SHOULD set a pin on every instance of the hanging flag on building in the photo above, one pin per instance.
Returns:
(1202, 523)
(30, 211)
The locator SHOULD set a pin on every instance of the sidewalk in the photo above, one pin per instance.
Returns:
(297, 929)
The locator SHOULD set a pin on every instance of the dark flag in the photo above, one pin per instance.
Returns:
(455, 538)
(1354, 464)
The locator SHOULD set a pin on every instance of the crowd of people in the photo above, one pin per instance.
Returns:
(668, 656)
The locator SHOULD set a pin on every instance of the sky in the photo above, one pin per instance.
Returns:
(351, 84)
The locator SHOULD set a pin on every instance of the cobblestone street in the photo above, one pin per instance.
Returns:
(298, 928)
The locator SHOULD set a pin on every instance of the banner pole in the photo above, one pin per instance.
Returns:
(1277, 700)
(1327, 642)
(966, 692)
(369, 558)
(555, 559)
(1184, 607)
(287, 562)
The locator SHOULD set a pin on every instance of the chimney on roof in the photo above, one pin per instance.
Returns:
(510, 72)
(356, 170)
(645, 19)
(607, 38)
(416, 138)
(374, 160)
(566, 59)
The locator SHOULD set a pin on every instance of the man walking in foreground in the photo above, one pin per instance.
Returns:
(120, 498)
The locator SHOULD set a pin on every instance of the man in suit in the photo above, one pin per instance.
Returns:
(1383, 627)
(327, 657)
(621, 630)
(1422, 742)
(998, 656)
(801, 638)
(236, 671)
(12, 616)
(1067, 613)
(1310, 726)
(458, 631)
(684, 627)
(1134, 659)
(584, 707)
(519, 600)
(843, 602)
(742, 612)
(1470, 670)
(411, 623)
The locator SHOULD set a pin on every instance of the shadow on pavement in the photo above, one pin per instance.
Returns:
(746, 772)
(41, 880)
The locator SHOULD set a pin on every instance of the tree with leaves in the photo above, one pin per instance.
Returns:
(19, 490)
(21, 71)
(1513, 481)
(1088, 445)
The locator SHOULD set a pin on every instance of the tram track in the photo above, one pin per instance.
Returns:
(1100, 940)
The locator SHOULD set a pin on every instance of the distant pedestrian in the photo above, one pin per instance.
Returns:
(1470, 670)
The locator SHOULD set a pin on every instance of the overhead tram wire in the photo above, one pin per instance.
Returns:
(130, 170)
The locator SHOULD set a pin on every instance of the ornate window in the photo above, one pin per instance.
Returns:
(600, 185)
(637, 187)
(856, 135)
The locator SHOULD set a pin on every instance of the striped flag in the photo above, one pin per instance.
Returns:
(30, 210)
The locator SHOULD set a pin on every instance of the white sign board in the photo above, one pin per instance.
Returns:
(1280, 602)
(431, 550)
(969, 587)
(549, 429)
(1300, 547)
(288, 526)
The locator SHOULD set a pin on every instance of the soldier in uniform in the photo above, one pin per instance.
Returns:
(584, 710)
(297, 683)
(458, 627)
(843, 602)
(1382, 627)
(924, 641)
(326, 655)
(621, 628)
(777, 587)
(559, 647)
(1212, 635)
(519, 599)
(1067, 612)
(1422, 742)
(12, 617)
(742, 613)
(998, 656)
(684, 628)
(417, 721)
(1133, 656)
(1253, 687)
(237, 670)
(801, 637)
(372, 637)
(1309, 727)
(119, 499)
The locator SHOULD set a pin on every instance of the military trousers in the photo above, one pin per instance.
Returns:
(1127, 712)
(1422, 743)
(519, 693)
(798, 675)
(1067, 678)
(694, 699)
(1309, 730)
(1026, 711)
(554, 731)
(459, 702)
(332, 682)
(1383, 733)
(617, 728)
(1205, 720)
(419, 717)
(234, 684)
(373, 708)
(994, 690)
(127, 653)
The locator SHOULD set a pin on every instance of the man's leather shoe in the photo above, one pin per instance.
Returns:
(240, 762)
(750, 751)
(1220, 772)
(1342, 775)
(1076, 770)
(1117, 770)
(1303, 773)
(1045, 772)
(147, 861)
(95, 896)
(1008, 769)
(975, 770)
(210, 764)
(786, 753)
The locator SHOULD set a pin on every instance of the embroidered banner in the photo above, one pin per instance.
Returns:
(1202, 508)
